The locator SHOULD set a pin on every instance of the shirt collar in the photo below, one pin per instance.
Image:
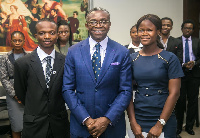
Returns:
(103, 43)
(42, 55)
(133, 46)
(184, 38)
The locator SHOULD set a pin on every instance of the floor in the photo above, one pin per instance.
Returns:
(184, 134)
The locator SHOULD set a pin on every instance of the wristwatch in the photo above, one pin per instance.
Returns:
(162, 121)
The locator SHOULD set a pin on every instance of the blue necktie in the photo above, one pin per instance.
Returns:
(187, 56)
(48, 70)
(96, 61)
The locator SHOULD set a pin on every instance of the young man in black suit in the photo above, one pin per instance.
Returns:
(38, 84)
(170, 43)
(190, 82)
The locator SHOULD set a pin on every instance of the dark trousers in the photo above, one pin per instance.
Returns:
(189, 91)
(50, 133)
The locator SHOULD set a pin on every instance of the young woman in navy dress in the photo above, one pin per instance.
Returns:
(157, 74)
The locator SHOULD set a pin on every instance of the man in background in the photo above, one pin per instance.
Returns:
(170, 43)
(74, 24)
(190, 82)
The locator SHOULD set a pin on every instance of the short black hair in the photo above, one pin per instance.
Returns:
(17, 32)
(188, 21)
(167, 18)
(33, 7)
(97, 9)
(75, 12)
(43, 20)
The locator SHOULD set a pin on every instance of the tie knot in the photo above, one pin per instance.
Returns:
(47, 58)
(97, 46)
(186, 39)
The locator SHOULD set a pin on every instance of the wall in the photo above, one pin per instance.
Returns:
(125, 13)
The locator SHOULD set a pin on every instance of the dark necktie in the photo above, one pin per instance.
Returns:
(96, 61)
(48, 70)
(187, 56)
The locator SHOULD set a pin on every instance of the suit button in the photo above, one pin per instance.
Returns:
(48, 100)
(95, 90)
(48, 115)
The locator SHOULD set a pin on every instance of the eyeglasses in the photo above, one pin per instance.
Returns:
(94, 22)
(187, 28)
(61, 32)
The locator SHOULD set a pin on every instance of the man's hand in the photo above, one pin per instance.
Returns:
(99, 126)
(189, 65)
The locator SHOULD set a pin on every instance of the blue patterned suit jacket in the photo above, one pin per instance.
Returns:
(108, 97)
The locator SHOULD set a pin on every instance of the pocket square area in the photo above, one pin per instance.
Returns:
(115, 63)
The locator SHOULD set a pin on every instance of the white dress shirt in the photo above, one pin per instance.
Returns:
(191, 54)
(136, 48)
(103, 47)
(42, 55)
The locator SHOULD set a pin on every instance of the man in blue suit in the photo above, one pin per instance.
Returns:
(97, 82)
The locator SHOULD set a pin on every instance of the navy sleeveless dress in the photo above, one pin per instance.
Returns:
(152, 75)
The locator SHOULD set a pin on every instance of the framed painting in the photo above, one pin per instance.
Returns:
(22, 15)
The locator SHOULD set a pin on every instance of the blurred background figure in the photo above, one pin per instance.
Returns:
(48, 6)
(170, 43)
(15, 108)
(84, 7)
(33, 3)
(33, 22)
(64, 37)
(16, 22)
(54, 16)
(74, 23)
(3, 17)
(135, 44)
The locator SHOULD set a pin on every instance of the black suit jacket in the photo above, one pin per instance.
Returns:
(131, 50)
(43, 107)
(196, 51)
(174, 45)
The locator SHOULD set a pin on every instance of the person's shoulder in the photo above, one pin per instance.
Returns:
(177, 40)
(23, 59)
(195, 39)
(116, 44)
(77, 45)
(167, 55)
(60, 55)
(134, 55)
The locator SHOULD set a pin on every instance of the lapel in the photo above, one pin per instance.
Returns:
(194, 46)
(37, 68)
(169, 43)
(85, 52)
(110, 53)
(11, 57)
(58, 65)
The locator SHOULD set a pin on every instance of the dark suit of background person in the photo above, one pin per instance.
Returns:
(45, 114)
(170, 43)
(189, 83)
(105, 98)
